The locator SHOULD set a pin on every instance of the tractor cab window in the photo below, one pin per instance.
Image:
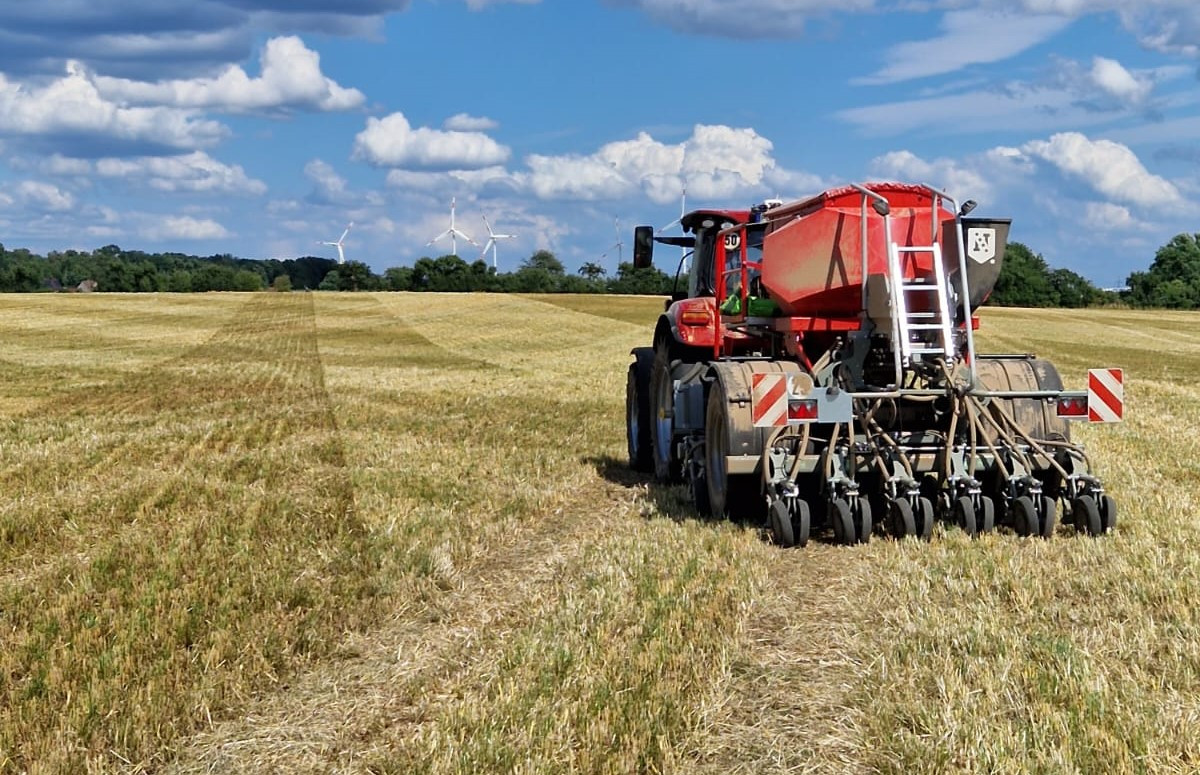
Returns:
(754, 254)
(703, 278)
(754, 301)
(733, 259)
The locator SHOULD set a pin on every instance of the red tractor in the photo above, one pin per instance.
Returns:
(820, 370)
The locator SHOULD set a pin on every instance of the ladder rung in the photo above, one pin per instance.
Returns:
(918, 287)
(915, 249)
(928, 351)
(925, 327)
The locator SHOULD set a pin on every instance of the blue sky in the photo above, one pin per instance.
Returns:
(262, 127)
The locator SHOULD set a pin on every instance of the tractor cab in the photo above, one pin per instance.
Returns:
(707, 226)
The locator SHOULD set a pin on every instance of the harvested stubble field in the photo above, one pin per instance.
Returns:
(395, 533)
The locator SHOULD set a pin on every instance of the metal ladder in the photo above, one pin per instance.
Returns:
(905, 323)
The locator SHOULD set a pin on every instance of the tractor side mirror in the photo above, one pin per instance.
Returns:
(643, 246)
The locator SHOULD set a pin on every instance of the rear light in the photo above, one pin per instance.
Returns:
(1072, 406)
(694, 317)
(802, 409)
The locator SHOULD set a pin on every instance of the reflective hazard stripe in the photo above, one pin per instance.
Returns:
(1106, 395)
(770, 400)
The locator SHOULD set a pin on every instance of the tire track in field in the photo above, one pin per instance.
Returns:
(395, 341)
(194, 388)
(335, 714)
(180, 411)
(262, 441)
(396, 680)
(787, 706)
(343, 714)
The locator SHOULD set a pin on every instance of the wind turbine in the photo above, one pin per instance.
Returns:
(618, 245)
(453, 233)
(679, 220)
(339, 243)
(493, 238)
(682, 210)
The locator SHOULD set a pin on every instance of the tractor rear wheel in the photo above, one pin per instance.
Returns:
(667, 466)
(637, 411)
(733, 496)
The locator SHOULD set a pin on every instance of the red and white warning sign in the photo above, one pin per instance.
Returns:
(769, 407)
(1106, 395)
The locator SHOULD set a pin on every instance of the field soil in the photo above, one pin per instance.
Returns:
(396, 533)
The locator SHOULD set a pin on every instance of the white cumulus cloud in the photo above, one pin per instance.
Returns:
(73, 107)
(291, 78)
(1108, 217)
(65, 166)
(464, 122)
(437, 181)
(960, 181)
(329, 186)
(44, 197)
(1109, 167)
(184, 227)
(393, 142)
(716, 162)
(1111, 77)
(194, 172)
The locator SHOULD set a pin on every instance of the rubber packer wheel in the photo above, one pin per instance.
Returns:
(1048, 518)
(801, 520)
(1086, 515)
(964, 515)
(862, 520)
(901, 523)
(1023, 515)
(780, 519)
(1108, 513)
(985, 516)
(842, 521)
(924, 516)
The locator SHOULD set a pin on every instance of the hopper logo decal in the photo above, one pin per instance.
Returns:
(981, 245)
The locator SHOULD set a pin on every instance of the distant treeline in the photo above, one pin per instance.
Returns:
(1026, 280)
(131, 271)
(114, 270)
(1172, 281)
